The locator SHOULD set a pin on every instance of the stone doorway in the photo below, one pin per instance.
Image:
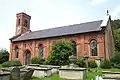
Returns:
(28, 57)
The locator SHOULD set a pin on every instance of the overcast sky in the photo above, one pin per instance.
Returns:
(52, 13)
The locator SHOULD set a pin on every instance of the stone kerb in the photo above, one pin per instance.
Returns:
(73, 73)
(108, 75)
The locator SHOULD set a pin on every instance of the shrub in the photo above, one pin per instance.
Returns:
(38, 60)
(60, 52)
(11, 63)
(92, 64)
(4, 56)
(115, 59)
(105, 64)
(81, 62)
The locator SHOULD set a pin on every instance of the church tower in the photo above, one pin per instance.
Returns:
(22, 23)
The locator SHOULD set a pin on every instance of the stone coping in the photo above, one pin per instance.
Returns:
(50, 66)
(73, 69)
(4, 73)
(23, 70)
(42, 69)
(6, 69)
(111, 78)
(110, 72)
(34, 65)
(44, 66)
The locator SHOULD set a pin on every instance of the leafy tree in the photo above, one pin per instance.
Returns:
(116, 24)
(116, 31)
(60, 53)
(117, 39)
(4, 55)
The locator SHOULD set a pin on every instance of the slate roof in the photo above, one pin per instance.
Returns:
(60, 31)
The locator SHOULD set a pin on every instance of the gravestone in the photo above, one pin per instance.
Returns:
(15, 74)
(27, 75)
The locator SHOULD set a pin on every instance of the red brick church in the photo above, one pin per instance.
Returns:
(93, 39)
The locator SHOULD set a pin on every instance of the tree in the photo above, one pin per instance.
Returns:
(116, 31)
(60, 53)
(4, 55)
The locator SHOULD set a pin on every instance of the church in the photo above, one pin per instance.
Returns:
(93, 39)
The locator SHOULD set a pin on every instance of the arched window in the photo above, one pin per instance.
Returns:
(25, 23)
(41, 50)
(74, 48)
(16, 52)
(93, 48)
(18, 21)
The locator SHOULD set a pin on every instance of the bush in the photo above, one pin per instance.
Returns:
(92, 64)
(105, 64)
(81, 62)
(115, 59)
(11, 63)
(4, 56)
(38, 60)
(61, 50)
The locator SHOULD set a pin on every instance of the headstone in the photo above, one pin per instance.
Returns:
(28, 75)
(15, 74)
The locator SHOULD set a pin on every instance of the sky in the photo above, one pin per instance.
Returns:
(52, 13)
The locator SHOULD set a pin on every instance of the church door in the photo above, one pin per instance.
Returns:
(28, 58)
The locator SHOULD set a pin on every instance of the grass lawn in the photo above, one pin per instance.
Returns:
(98, 71)
(90, 75)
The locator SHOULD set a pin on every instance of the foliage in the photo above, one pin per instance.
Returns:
(37, 60)
(117, 39)
(116, 31)
(116, 24)
(115, 60)
(81, 61)
(61, 50)
(92, 64)
(11, 63)
(105, 64)
(4, 56)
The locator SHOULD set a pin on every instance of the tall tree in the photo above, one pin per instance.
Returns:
(116, 30)
(4, 55)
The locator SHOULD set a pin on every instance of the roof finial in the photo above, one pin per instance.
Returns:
(107, 12)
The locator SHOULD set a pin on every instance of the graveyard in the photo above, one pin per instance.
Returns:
(61, 64)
